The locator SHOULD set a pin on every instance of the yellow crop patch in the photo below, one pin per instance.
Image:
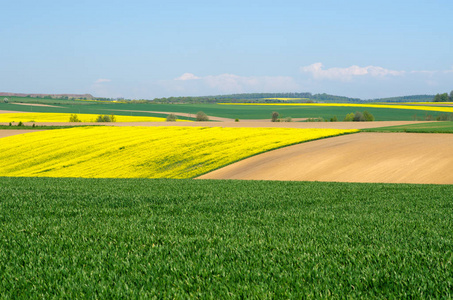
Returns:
(287, 99)
(395, 106)
(141, 152)
(64, 117)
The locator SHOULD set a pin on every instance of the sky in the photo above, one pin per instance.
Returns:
(148, 49)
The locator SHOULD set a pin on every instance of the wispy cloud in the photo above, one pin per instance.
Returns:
(318, 72)
(187, 76)
(102, 80)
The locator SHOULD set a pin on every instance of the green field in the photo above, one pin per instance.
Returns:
(434, 127)
(227, 111)
(137, 238)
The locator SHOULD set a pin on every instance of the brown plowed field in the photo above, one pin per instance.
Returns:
(8, 132)
(361, 157)
(10, 112)
(36, 104)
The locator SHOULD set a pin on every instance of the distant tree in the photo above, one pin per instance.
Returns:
(451, 96)
(5, 100)
(358, 117)
(441, 98)
(106, 118)
(334, 119)
(74, 118)
(349, 117)
(368, 116)
(274, 116)
(201, 116)
(171, 118)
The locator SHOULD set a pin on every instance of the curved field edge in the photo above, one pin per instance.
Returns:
(161, 238)
(141, 152)
(348, 131)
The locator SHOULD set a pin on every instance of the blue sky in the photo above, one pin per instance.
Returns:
(148, 49)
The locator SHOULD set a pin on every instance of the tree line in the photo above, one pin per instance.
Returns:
(443, 97)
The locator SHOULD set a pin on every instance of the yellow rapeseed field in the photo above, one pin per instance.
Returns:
(64, 117)
(396, 106)
(287, 99)
(141, 152)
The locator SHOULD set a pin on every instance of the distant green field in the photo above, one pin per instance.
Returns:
(108, 238)
(47, 101)
(434, 127)
(227, 111)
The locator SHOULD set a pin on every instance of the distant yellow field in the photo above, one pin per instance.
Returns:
(64, 117)
(141, 152)
(286, 99)
(395, 106)
(428, 103)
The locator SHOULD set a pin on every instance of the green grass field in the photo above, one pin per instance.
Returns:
(227, 111)
(104, 238)
(434, 127)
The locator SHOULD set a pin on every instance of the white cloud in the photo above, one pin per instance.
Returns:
(187, 76)
(101, 80)
(348, 73)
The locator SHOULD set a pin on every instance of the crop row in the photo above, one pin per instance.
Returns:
(142, 238)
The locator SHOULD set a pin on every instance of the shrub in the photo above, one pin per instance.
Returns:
(5, 100)
(74, 118)
(171, 118)
(201, 116)
(368, 116)
(10, 124)
(274, 116)
(319, 119)
(287, 119)
(444, 117)
(349, 117)
(236, 120)
(20, 123)
(358, 117)
(334, 119)
(106, 118)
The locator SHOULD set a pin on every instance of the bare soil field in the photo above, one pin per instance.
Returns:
(11, 112)
(8, 132)
(361, 157)
(36, 104)
(252, 123)
(212, 118)
(219, 119)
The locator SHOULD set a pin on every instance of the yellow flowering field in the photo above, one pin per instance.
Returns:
(396, 106)
(64, 117)
(141, 152)
(287, 99)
